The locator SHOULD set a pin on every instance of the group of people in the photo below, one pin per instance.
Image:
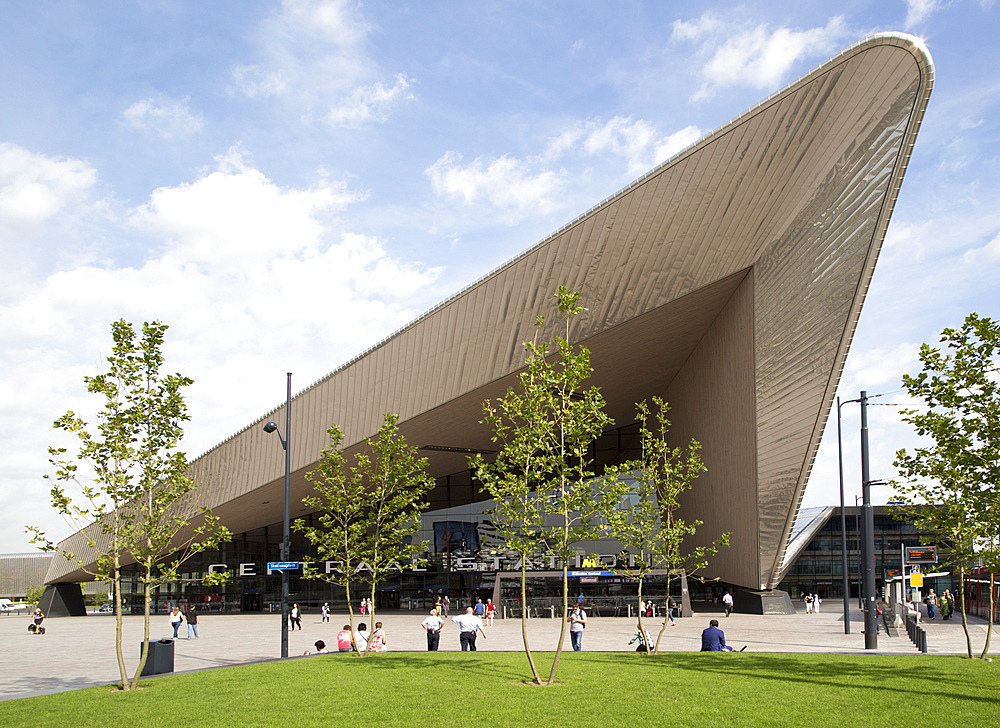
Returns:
(177, 618)
(349, 640)
(812, 602)
(367, 607)
(945, 604)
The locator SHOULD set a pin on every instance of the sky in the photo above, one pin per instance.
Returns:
(287, 183)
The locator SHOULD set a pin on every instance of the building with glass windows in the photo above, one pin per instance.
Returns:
(817, 565)
(728, 280)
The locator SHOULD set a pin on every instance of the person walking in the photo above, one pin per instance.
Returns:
(295, 617)
(816, 602)
(479, 610)
(808, 599)
(491, 610)
(577, 623)
(432, 626)
(175, 619)
(445, 605)
(931, 601)
(470, 625)
(192, 620)
(727, 603)
(671, 606)
(325, 611)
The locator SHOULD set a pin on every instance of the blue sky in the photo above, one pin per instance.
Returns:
(285, 184)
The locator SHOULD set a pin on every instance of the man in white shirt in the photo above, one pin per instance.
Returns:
(432, 625)
(469, 624)
(727, 602)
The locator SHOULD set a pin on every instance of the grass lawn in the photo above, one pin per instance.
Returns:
(594, 689)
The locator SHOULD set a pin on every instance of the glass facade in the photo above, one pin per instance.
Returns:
(462, 559)
(819, 567)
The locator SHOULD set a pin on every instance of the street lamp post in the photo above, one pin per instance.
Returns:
(286, 541)
(843, 527)
(868, 542)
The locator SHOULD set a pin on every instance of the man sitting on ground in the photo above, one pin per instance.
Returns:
(713, 639)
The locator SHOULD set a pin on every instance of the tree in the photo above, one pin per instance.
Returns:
(367, 508)
(34, 594)
(139, 499)
(957, 473)
(650, 526)
(547, 499)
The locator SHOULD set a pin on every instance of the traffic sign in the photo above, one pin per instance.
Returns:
(282, 565)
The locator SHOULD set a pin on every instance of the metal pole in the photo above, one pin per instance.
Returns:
(868, 542)
(286, 542)
(843, 528)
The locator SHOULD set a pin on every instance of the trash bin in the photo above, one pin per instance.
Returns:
(160, 658)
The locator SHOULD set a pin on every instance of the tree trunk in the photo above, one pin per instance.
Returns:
(524, 621)
(989, 620)
(961, 597)
(666, 618)
(145, 630)
(642, 628)
(562, 630)
(350, 615)
(119, 628)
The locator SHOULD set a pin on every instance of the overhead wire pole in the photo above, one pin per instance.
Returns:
(286, 542)
(843, 524)
(868, 540)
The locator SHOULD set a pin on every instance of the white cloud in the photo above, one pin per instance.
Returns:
(917, 11)
(695, 29)
(522, 186)
(313, 55)
(989, 253)
(369, 103)
(637, 142)
(254, 81)
(255, 279)
(758, 57)
(34, 187)
(505, 182)
(167, 118)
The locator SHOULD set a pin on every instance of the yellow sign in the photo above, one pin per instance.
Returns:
(916, 579)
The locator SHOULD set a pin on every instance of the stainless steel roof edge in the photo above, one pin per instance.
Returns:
(886, 38)
(925, 65)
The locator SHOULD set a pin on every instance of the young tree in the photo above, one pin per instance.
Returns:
(958, 471)
(542, 479)
(367, 509)
(139, 500)
(650, 526)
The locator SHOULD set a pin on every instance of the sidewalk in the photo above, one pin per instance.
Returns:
(78, 652)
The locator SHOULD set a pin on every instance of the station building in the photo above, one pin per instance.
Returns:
(727, 280)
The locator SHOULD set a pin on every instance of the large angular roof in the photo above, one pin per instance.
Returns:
(728, 279)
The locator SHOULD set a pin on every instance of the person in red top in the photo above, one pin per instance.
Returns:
(344, 641)
(491, 609)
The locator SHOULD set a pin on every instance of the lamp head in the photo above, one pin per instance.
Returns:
(270, 427)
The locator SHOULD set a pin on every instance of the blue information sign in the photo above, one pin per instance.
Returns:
(282, 565)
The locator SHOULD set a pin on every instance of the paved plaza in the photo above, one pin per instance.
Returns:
(78, 652)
